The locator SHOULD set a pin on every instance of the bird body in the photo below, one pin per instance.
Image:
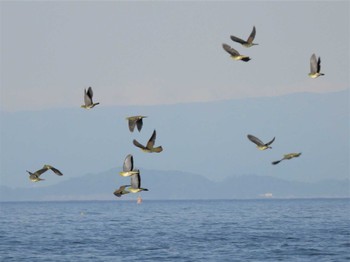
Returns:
(135, 121)
(249, 42)
(88, 102)
(259, 144)
(149, 148)
(35, 177)
(287, 157)
(235, 55)
(315, 67)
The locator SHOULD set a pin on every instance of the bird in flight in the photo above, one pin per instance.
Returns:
(287, 157)
(121, 191)
(135, 182)
(35, 177)
(261, 145)
(135, 121)
(234, 53)
(315, 67)
(88, 103)
(249, 41)
(149, 148)
(128, 166)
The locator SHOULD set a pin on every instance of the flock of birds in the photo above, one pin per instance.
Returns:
(137, 121)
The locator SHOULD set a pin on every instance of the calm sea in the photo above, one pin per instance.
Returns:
(220, 230)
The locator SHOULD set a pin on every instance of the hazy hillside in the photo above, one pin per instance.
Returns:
(203, 138)
(175, 185)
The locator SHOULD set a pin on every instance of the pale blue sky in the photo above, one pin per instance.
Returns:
(151, 52)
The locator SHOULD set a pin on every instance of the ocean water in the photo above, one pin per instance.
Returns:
(205, 230)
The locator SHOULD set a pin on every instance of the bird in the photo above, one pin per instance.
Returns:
(234, 53)
(315, 67)
(121, 191)
(287, 156)
(260, 145)
(128, 166)
(135, 182)
(149, 148)
(35, 177)
(249, 41)
(88, 99)
(135, 121)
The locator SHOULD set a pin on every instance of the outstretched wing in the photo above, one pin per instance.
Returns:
(55, 170)
(128, 164)
(276, 162)
(132, 123)
(139, 124)
(319, 65)
(230, 50)
(255, 140)
(313, 64)
(87, 99)
(237, 39)
(252, 36)
(152, 140)
(41, 171)
(135, 180)
(138, 144)
(269, 143)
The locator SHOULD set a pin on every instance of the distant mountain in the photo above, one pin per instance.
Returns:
(176, 185)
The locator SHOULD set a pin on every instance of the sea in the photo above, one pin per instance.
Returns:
(176, 230)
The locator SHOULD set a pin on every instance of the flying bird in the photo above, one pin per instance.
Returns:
(135, 121)
(249, 41)
(128, 166)
(149, 148)
(287, 157)
(136, 184)
(121, 191)
(315, 67)
(234, 53)
(261, 145)
(35, 177)
(88, 99)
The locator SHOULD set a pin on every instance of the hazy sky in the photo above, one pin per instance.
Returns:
(151, 52)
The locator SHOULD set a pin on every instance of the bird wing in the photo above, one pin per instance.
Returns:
(139, 124)
(128, 164)
(56, 171)
(237, 39)
(319, 65)
(87, 99)
(313, 64)
(157, 149)
(41, 171)
(255, 140)
(132, 123)
(230, 50)
(252, 36)
(276, 162)
(138, 144)
(135, 180)
(269, 143)
(152, 140)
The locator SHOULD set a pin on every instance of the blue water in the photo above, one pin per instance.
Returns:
(220, 230)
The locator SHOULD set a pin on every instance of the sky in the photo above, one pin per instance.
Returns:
(147, 56)
(154, 53)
